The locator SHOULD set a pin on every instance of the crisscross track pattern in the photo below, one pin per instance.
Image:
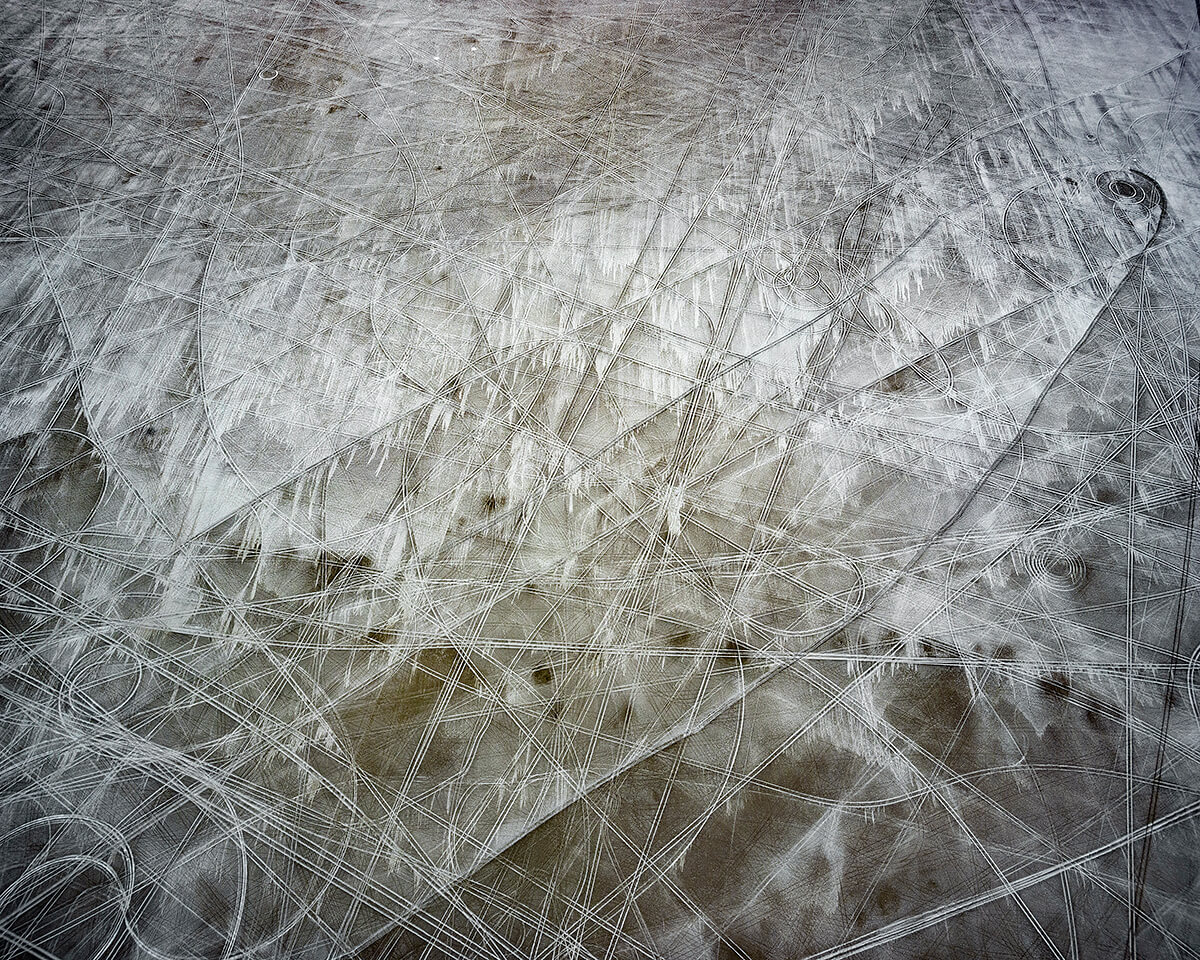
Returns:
(593, 480)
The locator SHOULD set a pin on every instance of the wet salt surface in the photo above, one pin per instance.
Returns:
(569, 481)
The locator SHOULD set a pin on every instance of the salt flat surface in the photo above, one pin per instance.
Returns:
(649, 480)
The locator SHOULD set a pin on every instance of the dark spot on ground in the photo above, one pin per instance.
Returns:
(1055, 684)
(334, 567)
(493, 502)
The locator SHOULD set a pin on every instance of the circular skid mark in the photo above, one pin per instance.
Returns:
(992, 158)
(1158, 133)
(1055, 565)
(1124, 190)
(1062, 233)
(193, 903)
(1193, 682)
(1130, 190)
(803, 279)
(76, 121)
(810, 596)
(100, 684)
(792, 277)
(66, 889)
(58, 493)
